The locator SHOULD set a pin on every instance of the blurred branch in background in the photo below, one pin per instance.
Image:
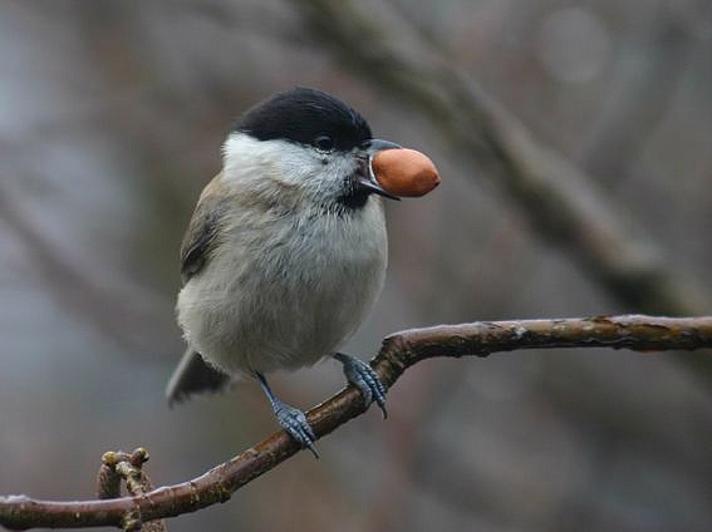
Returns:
(561, 202)
(641, 97)
(125, 319)
(399, 352)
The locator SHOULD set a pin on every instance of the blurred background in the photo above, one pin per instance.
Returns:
(111, 119)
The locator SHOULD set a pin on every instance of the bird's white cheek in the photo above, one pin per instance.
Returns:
(247, 159)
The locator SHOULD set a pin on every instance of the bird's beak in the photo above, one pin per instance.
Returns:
(368, 181)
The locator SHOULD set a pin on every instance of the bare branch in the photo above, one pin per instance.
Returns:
(399, 352)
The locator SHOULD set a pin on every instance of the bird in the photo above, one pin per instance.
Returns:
(285, 254)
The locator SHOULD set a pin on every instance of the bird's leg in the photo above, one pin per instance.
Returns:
(290, 419)
(365, 379)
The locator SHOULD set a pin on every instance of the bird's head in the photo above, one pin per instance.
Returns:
(304, 145)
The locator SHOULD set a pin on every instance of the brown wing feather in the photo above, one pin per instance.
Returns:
(193, 375)
(203, 230)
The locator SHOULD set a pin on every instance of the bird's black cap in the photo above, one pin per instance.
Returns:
(304, 115)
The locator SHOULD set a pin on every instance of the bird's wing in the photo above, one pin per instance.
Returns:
(193, 375)
(203, 230)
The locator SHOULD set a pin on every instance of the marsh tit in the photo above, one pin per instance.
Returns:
(286, 252)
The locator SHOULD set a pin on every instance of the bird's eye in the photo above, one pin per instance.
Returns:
(324, 143)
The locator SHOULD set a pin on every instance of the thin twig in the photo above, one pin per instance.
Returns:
(399, 352)
(117, 466)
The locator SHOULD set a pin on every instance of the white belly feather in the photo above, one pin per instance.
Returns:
(290, 297)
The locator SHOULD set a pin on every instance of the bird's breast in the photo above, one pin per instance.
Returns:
(284, 292)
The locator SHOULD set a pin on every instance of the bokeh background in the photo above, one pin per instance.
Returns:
(111, 118)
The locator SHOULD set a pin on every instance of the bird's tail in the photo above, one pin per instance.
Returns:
(194, 376)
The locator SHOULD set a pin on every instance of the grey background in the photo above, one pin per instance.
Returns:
(111, 117)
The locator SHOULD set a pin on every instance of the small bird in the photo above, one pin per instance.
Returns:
(285, 253)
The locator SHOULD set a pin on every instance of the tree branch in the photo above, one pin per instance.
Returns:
(398, 352)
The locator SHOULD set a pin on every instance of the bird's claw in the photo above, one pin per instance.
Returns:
(361, 375)
(295, 423)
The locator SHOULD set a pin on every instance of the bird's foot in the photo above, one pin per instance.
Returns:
(361, 375)
(289, 418)
(295, 423)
